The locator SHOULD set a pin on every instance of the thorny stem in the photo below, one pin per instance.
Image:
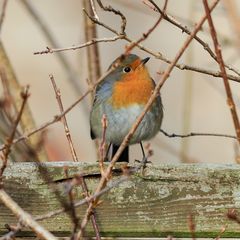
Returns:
(218, 51)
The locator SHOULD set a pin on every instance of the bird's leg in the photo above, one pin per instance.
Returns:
(106, 159)
(144, 158)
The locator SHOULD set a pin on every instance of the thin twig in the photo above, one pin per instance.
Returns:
(145, 35)
(194, 134)
(93, 215)
(218, 52)
(117, 12)
(63, 119)
(9, 140)
(4, 7)
(94, 9)
(91, 42)
(75, 159)
(73, 153)
(185, 29)
(25, 218)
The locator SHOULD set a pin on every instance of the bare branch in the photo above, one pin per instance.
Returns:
(185, 29)
(218, 51)
(194, 134)
(93, 41)
(75, 159)
(145, 35)
(64, 120)
(25, 218)
(94, 9)
(117, 12)
(9, 140)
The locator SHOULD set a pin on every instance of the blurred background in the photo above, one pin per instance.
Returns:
(193, 102)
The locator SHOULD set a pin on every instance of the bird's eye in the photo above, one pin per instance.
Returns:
(127, 69)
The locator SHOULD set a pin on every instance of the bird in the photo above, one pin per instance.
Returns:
(121, 98)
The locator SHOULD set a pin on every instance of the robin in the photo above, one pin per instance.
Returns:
(121, 97)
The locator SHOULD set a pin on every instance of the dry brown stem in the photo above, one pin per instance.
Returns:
(218, 51)
(194, 134)
(117, 12)
(75, 159)
(145, 35)
(9, 140)
(25, 218)
(86, 44)
(63, 119)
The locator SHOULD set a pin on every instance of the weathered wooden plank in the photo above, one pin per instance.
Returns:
(154, 204)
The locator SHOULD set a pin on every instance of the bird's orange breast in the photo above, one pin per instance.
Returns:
(134, 88)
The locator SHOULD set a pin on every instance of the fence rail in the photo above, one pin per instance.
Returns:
(156, 203)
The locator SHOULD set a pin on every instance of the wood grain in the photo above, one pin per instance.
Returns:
(155, 204)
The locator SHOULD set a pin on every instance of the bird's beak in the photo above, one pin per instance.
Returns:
(145, 60)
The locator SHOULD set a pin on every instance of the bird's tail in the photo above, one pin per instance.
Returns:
(124, 157)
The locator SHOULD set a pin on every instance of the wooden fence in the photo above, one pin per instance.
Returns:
(156, 203)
